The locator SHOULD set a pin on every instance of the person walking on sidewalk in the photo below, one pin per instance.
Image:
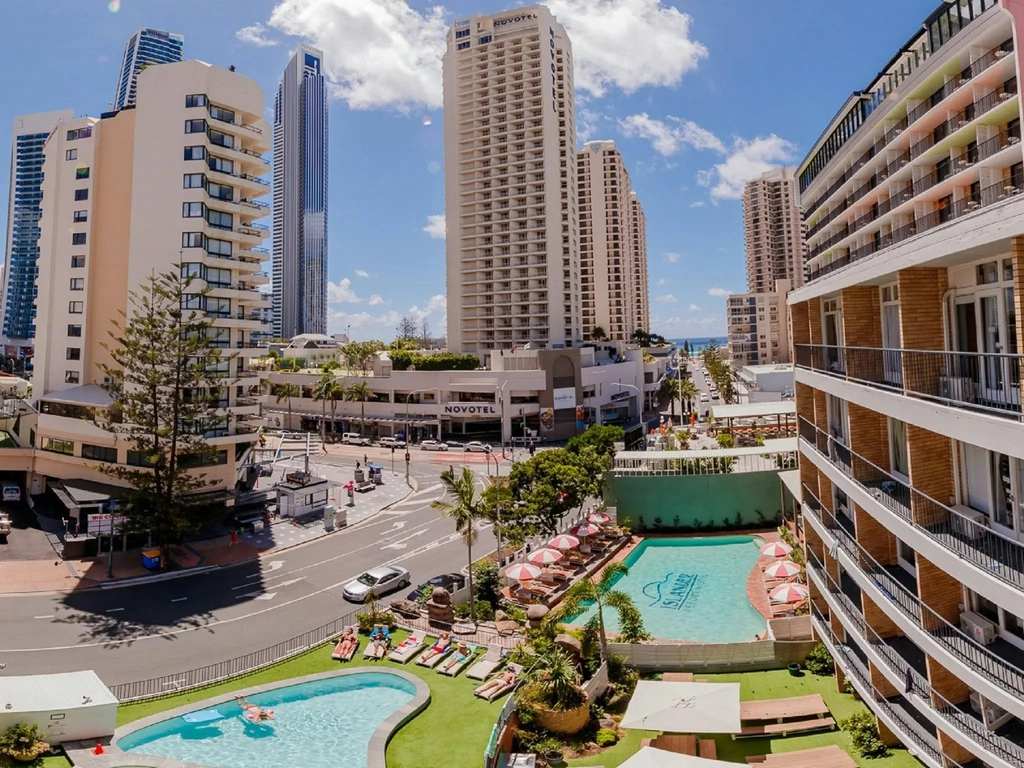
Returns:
(234, 538)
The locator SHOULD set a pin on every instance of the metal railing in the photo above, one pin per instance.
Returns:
(975, 381)
(993, 553)
(950, 637)
(167, 685)
(920, 691)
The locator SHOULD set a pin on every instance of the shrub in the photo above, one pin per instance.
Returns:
(23, 740)
(374, 615)
(484, 611)
(631, 623)
(462, 611)
(402, 360)
(606, 737)
(819, 661)
(548, 744)
(486, 581)
(425, 595)
(864, 734)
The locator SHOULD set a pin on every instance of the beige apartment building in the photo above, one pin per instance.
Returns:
(773, 232)
(641, 288)
(757, 326)
(174, 180)
(512, 246)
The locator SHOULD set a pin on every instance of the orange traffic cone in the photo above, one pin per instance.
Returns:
(98, 749)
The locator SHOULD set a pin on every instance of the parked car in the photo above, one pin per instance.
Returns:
(450, 581)
(392, 442)
(454, 444)
(380, 581)
(477, 447)
(704, 397)
(10, 492)
(433, 445)
(354, 438)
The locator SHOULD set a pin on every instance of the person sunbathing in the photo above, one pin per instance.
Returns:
(252, 712)
(348, 642)
(439, 647)
(457, 658)
(505, 680)
(380, 641)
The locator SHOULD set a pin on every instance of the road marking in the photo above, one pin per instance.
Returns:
(179, 599)
(396, 527)
(257, 595)
(114, 610)
(289, 582)
(45, 617)
(273, 565)
(254, 575)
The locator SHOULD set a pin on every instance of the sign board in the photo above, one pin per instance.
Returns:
(621, 395)
(564, 397)
(470, 409)
(514, 19)
(105, 523)
(547, 419)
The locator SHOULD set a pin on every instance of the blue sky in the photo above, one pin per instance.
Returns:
(699, 95)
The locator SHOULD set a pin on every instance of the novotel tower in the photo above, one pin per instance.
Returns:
(510, 183)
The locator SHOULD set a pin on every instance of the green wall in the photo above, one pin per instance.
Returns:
(695, 499)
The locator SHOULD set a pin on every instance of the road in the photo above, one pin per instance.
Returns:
(136, 632)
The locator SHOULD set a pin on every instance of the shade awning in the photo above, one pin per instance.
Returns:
(684, 707)
(754, 410)
(791, 482)
(651, 757)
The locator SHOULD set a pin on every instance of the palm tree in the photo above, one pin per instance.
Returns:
(688, 392)
(287, 391)
(604, 596)
(338, 393)
(325, 389)
(360, 392)
(670, 389)
(465, 509)
(598, 334)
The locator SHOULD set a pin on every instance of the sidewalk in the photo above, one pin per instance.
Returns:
(55, 575)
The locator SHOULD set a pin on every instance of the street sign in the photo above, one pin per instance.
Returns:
(105, 523)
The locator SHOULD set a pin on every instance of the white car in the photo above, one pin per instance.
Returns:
(376, 581)
(392, 442)
(354, 438)
(704, 397)
(477, 447)
(433, 445)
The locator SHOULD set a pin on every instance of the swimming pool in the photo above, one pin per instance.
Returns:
(320, 724)
(691, 589)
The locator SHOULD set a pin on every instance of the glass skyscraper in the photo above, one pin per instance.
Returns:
(300, 197)
(25, 196)
(144, 48)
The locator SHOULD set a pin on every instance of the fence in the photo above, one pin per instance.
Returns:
(598, 684)
(482, 636)
(200, 677)
(712, 657)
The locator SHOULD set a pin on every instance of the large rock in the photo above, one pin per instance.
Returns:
(570, 644)
(535, 615)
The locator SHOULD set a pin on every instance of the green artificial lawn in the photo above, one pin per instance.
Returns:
(452, 731)
(775, 684)
(46, 762)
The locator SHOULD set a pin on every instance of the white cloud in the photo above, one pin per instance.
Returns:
(694, 308)
(255, 34)
(627, 44)
(661, 281)
(380, 53)
(679, 326)
(671, 135)
(719, 293)
(362, 273)
(369, 326)
(668, 298)
(746, 160)
(435, 226)
(672, 258)
(697, 204)
(341, 293)
(376, 300)
(587, 125)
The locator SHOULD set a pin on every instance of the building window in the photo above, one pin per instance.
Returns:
(193, 210)
(71, 154)
(81, 216)
(76, 307)
(218, 247)
(220, 191)
(78, 238)
(195, 153)
(461, 33)
(74, 331)
(77, 284)
(66, 447)
(222, 165)
(138, 459)
(224, 115)
(77, 262)
(71, 377)
(81, 194)
(80, 133)
(195, 100)
(81, 173)
(462, 46)
(221, 139)
(195, 126)
(898, 448)
(73, 353)
(194, 181)
(220, 220)
(191, 239)
(99, 453)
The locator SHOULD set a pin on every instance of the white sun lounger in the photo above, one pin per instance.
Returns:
(503, 689)
(431, 660)
(368, 653)
(408, 648)
(453, 668)
(491, 661)
(345, 657)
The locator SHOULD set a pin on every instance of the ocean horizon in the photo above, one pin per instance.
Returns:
(699, 344)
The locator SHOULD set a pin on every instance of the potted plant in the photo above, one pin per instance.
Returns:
(554, 693)
(23, 742)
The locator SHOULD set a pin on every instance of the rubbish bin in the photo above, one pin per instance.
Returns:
(257, 526)
(328, 522)
(151, 559)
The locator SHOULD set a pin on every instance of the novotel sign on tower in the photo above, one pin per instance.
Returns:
(514, 19)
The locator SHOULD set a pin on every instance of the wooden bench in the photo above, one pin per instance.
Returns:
(831, 756)
(367, 485)
(707, 749)
(786, 728)
(779, 709)
(681, 744)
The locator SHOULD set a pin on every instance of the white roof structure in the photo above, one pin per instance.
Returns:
(62, 691)
(651, 757)
(684, 707)
(86, 394)
(754, 410)
(780, 445)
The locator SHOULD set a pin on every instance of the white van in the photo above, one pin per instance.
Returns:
(354, 438)
(10, 492)
(392, 442)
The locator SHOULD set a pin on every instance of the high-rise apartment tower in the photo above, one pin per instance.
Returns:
(773, 231)
(300, 197)
(512, 245)
(144, 49)
(641, 288)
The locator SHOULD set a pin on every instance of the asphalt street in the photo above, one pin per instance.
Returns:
(147, 630)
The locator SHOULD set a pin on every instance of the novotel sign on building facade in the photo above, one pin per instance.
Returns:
(470, 409)
(514, 19)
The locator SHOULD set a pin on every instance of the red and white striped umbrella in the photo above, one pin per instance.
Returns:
(783, 569)
(599, 517)
(564, 541)
(545, 556)
(788, 593)
(522, 572)
(584, 529)
(776, 549)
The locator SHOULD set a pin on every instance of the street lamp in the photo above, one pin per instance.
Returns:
(499, 395)
(408, 436)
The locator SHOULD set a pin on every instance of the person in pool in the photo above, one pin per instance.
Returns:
(252, 712)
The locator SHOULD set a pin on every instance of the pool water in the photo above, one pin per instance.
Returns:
(691, 589)
(323, 724)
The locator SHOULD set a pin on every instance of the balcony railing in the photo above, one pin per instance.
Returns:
(974, 542)
(987, 664)
(975, 381)
(920, 689)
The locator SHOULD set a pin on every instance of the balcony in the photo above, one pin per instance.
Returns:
(1000, 663)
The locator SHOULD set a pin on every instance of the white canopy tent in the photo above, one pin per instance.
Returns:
(684, 707)
(650, 757)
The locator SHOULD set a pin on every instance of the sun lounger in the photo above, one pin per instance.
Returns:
(707, 749)
(554, 576)
(456, 662)
(831, 756)
(811, 705)
(491, 661)
(501, 690)
(681, 744)
(369, 652)
(407, 648)
(786, 728)
(430, 659)
(337, 655)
